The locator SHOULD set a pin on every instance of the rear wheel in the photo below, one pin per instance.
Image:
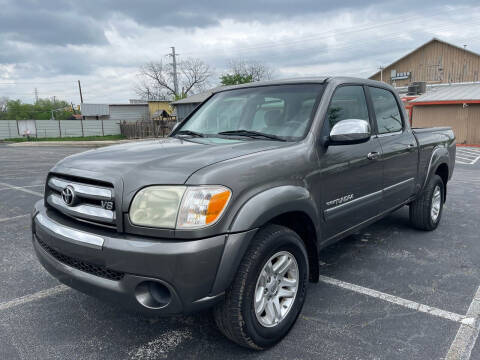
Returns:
(426, 211)
(268, 292)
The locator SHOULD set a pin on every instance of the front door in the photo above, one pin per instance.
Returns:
(399, 148)
(351, 174)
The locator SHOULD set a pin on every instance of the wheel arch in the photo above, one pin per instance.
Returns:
(438, 165)
(289, 206)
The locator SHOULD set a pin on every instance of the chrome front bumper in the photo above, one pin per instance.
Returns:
(68, 234)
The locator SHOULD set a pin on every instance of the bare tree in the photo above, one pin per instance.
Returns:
(3, 103)
(155, 79)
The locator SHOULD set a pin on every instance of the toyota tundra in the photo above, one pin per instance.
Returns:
(231, 210)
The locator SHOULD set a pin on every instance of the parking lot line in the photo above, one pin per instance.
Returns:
(464, 342)
(468, 320)
(464, 158)
(28, 186)
(19, 188)
(475, 150)
(467, 155)
(33, 297)
(13, 217)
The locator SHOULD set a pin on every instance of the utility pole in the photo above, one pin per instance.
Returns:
(80, 91)
(174, 65)
(381, 72)
(36, 95)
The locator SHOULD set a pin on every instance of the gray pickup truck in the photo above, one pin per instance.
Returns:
(231, 210)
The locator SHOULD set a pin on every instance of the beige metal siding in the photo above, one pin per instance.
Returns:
(465, 121)
(436, 62)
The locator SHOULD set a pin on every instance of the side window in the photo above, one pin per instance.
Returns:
(386, 111)
(348, 102)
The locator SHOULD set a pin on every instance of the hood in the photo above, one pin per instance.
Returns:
(164, 161)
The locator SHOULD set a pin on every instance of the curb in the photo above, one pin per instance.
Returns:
(73, 143)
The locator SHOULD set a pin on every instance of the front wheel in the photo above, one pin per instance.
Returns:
(268, 292)
(426, 211)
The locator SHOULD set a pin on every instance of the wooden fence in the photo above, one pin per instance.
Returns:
(144, 129)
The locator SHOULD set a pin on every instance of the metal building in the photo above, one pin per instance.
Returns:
(119, 112)
(435, 62)
(185, 106)
(94, 111)
(129, 112)
(456, 105)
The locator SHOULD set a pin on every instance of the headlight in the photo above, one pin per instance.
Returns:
(156, 206)
(202, 206)
(179, 207)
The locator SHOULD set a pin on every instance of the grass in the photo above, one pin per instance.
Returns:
(74, 138)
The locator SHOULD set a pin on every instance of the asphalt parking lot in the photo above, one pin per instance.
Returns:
(389, 292)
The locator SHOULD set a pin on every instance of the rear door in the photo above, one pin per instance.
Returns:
(399, 147)
(351, 176)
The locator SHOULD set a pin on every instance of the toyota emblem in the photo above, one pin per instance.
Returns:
(68, 195)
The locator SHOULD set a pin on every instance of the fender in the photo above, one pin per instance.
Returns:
(256, 212)
(439, 156)
(268, 204)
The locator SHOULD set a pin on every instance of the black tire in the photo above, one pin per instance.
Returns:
(235, 316)
(421, 208)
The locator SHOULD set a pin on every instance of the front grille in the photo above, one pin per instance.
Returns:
(96, 270)
(91, 200)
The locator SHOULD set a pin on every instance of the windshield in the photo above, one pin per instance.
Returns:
(274, 112)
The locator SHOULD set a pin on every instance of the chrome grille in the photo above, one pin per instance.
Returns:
(88, 204)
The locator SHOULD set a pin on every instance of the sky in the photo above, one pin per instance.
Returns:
(49, 45)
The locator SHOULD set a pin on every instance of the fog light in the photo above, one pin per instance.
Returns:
(152, 295)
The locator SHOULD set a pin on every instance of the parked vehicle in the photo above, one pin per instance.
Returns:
(231, 210)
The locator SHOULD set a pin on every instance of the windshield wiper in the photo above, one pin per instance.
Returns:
(190, 132)
(252, 134)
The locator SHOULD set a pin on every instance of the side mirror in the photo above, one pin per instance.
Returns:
(350, 131)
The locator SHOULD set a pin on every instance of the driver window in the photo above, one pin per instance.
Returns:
(348, 102)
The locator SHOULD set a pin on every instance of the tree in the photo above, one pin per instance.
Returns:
(243, 71)
(3, 103)
(41, 110)
(235, 79)
(156, 79)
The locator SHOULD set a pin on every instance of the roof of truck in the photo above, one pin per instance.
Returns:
(200, 97)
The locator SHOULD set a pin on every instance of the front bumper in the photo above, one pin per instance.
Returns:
(121, 268)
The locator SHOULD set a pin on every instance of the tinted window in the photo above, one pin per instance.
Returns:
(386, 111)
(285, 111)
(348, 102)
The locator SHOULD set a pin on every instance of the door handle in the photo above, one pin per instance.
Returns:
(373, 155)
(411, 147)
